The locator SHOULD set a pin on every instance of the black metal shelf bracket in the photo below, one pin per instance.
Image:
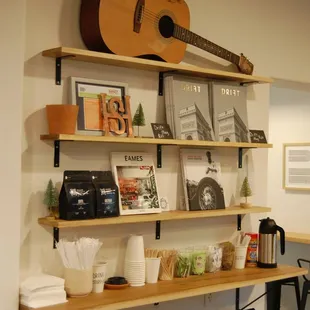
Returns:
(161, 84)
(58, 68)
(58, 71)
(238, 289)
(239, 222)
(56, 236)
(157, 230)
(159, 156)
(237, 298)
(240, 153)
(56, 153)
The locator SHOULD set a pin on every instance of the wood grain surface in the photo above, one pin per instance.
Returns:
(151, 65)
(143, 218)
(178, 288)
(189, 143)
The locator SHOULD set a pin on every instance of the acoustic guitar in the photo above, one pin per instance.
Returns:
(152, 29)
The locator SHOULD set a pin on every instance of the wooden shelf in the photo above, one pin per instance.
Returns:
(179, 288)
(150, 65)
(144, 218)
(189, 143)
(297, 237)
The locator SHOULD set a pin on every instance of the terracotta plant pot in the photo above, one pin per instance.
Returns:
(62, 118)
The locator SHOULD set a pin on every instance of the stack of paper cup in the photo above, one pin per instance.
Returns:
(135, 261)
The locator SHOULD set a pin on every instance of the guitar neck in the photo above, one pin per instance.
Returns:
(190, 37)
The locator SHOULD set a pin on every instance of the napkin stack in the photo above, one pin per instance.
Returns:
(42, 291)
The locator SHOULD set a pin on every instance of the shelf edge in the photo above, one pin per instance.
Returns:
(146, 218)
(144, 64)
(154, 141)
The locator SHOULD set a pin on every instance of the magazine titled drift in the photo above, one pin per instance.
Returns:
(134, 173)
(202, 180)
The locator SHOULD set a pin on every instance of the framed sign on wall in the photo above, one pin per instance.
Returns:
(296, 166)
(85, 93)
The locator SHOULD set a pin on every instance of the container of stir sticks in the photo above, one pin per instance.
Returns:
(78, 259)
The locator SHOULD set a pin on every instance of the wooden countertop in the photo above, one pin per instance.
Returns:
(297, 237)
(178, 288)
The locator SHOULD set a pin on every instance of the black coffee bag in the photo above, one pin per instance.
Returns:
(106, 194)
(77, 197)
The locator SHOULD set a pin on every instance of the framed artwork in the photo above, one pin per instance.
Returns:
(296, 166)
(86, 94)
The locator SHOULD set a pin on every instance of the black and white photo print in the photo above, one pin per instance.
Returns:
(202, 180)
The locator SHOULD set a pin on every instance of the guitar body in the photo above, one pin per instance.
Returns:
(108, 26)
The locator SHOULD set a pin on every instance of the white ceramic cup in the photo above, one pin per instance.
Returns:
(99, 275)
(240, 256)
(152, 269)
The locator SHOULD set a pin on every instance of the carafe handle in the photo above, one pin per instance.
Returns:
(282, 239)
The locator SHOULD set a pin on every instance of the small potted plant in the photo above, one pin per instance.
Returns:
(51, 199)
(139, 119)
(245, 193)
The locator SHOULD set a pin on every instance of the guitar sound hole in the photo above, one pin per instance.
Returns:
(166, 26)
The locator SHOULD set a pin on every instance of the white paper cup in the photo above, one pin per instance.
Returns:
(99, 275)
(240, 256)
(135, 249)
(152, 269)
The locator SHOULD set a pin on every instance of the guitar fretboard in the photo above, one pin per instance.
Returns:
(189, 37)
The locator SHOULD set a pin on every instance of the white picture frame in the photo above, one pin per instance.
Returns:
(92, 88)
(296, 166)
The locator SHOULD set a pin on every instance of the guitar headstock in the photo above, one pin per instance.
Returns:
(245, 66)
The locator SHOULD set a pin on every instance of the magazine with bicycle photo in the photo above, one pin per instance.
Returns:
(134, 174)
(201, 172)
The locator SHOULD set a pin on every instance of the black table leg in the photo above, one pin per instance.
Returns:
(273, 295)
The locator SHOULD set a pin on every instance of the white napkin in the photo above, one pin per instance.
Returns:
(46, 298)
(41, 303)
(48, 294)
(40, 283)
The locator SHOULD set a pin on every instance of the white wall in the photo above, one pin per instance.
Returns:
(255, 29)
(289, 123)
(11, 87)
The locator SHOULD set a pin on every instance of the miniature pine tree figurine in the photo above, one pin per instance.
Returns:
(245, 192)
(139, 119)
(51, 198)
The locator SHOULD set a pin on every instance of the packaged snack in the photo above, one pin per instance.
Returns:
(228, 255)
(214, 258)
(184, 263)
(251, 260)
(198, 261)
